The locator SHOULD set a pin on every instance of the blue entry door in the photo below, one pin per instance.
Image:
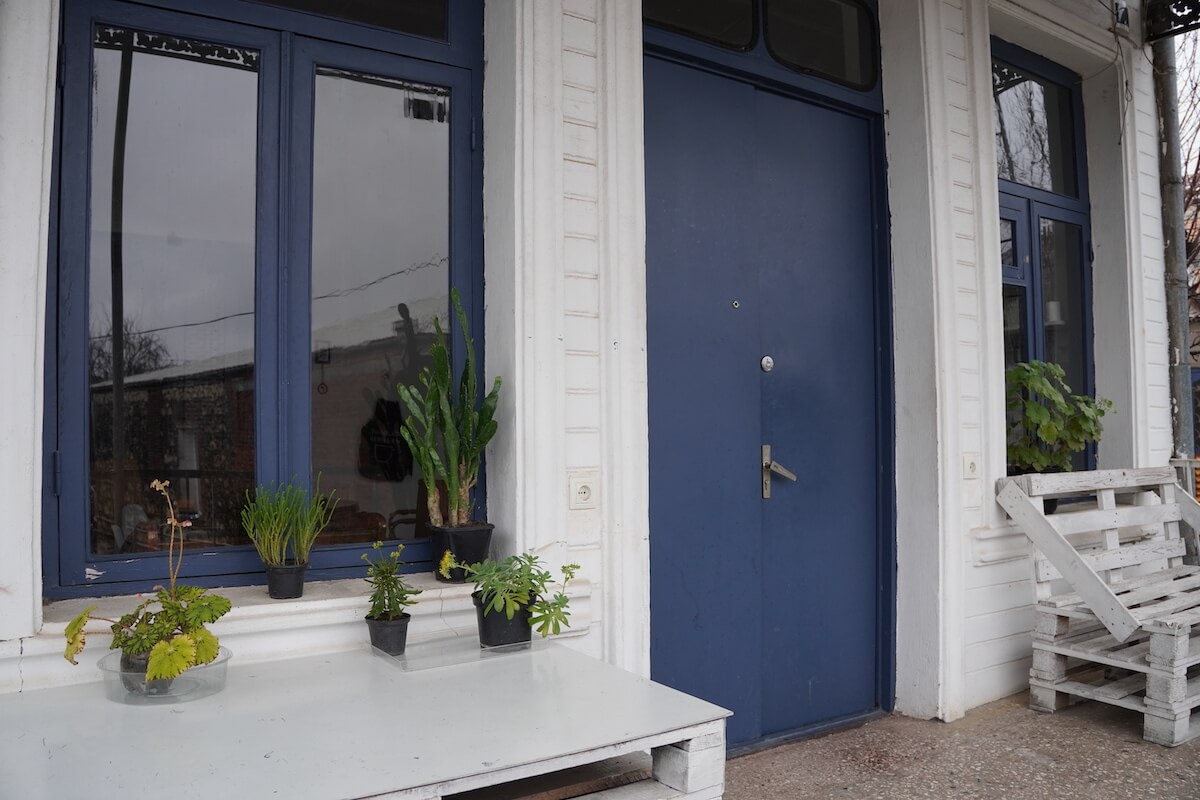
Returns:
(761, 243)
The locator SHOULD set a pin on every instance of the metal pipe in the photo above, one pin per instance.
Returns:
(1170, 178)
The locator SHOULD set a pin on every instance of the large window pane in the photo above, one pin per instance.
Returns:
(422, 17)
(380, 276)
(1034, 133)
(171, 295)
(831, 38)
(726, 22)
(1016, 328)
(1062, 299)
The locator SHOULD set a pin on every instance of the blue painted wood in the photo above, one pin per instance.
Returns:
(816, 264)
(704, 393)
(758, 65)
(281, 280)
(306, 56)
(73, 520)
(770, 607)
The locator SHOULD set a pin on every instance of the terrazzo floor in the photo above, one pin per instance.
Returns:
(1002, 750)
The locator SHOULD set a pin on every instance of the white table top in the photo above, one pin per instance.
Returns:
(341, 725)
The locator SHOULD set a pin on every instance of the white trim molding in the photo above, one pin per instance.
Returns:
(28, 58)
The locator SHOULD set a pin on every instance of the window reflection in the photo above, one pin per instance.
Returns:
(726, 22)
(1034, 133)
(1016, 329)
(380, 276)
(831, 38)
(171, 299)
(1062, 298)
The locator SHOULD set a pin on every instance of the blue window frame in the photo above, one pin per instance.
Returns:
(1044, 215)
(290, 53)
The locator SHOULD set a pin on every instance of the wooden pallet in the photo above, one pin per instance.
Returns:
(1123, 633)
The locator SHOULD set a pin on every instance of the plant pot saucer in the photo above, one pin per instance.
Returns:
(193, 684)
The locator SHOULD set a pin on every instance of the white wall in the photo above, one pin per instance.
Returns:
(1129, 309)
(27, 77)
(565, 293)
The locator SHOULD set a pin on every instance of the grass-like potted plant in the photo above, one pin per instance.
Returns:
(387, 621)
(511, 598)
(283, 522)
(447, 428)
(1047, 423)
(165, 635)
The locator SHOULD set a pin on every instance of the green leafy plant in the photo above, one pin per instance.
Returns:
(266, 519)
(1047, 424)
(518, 581)
(390, 594)
(284, 518)
(448, 428)
(170, 625)
(312, 515)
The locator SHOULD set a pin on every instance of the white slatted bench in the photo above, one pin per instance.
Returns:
(355, 725)
(1118, 611)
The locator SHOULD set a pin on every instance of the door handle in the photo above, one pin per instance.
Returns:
(770, 465)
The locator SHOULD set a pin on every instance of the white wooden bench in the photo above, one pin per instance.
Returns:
(356, 725)
(1118, 610)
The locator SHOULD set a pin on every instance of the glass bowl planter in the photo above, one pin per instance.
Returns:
(126, 682)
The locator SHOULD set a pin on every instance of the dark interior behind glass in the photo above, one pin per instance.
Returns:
(421, 17)
(725, 22)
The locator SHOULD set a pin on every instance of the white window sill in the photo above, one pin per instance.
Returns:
(328, 618)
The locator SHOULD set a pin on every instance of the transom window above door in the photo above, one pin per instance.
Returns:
(831, 39)
(240, 289)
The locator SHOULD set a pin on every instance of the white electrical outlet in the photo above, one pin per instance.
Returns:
(584, 491)
(970, 465)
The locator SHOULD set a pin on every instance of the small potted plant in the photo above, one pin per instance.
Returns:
(165, 635)
(511, 598)
(447, 429)
(1047, 423)
(283, 522)
(387, 621)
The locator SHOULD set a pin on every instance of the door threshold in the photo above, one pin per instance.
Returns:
(807, 732)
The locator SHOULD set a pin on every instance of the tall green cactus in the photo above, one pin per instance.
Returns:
(465, 425)
(420, 431)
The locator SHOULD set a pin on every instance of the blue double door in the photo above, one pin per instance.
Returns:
(762, 244)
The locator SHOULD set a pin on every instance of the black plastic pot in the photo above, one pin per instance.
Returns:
(389, 635)
(470, 544)
(133, 676)
(286, 581)
(496, 629)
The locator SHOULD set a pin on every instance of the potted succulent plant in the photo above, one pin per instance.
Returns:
(447, 429)
(511, 598)
(165, 635)
(387, 621)
(1047, 423)
(283, 522)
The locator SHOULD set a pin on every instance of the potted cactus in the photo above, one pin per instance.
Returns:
(447, 428)
(387, 621)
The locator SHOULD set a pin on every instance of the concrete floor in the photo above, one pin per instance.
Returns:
(1000, 751)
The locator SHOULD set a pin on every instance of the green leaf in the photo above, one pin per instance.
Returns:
(207, 646)
(76, 638)
(170, 658)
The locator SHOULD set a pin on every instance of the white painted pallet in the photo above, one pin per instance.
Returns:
(354, 725)
(1122, 635)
